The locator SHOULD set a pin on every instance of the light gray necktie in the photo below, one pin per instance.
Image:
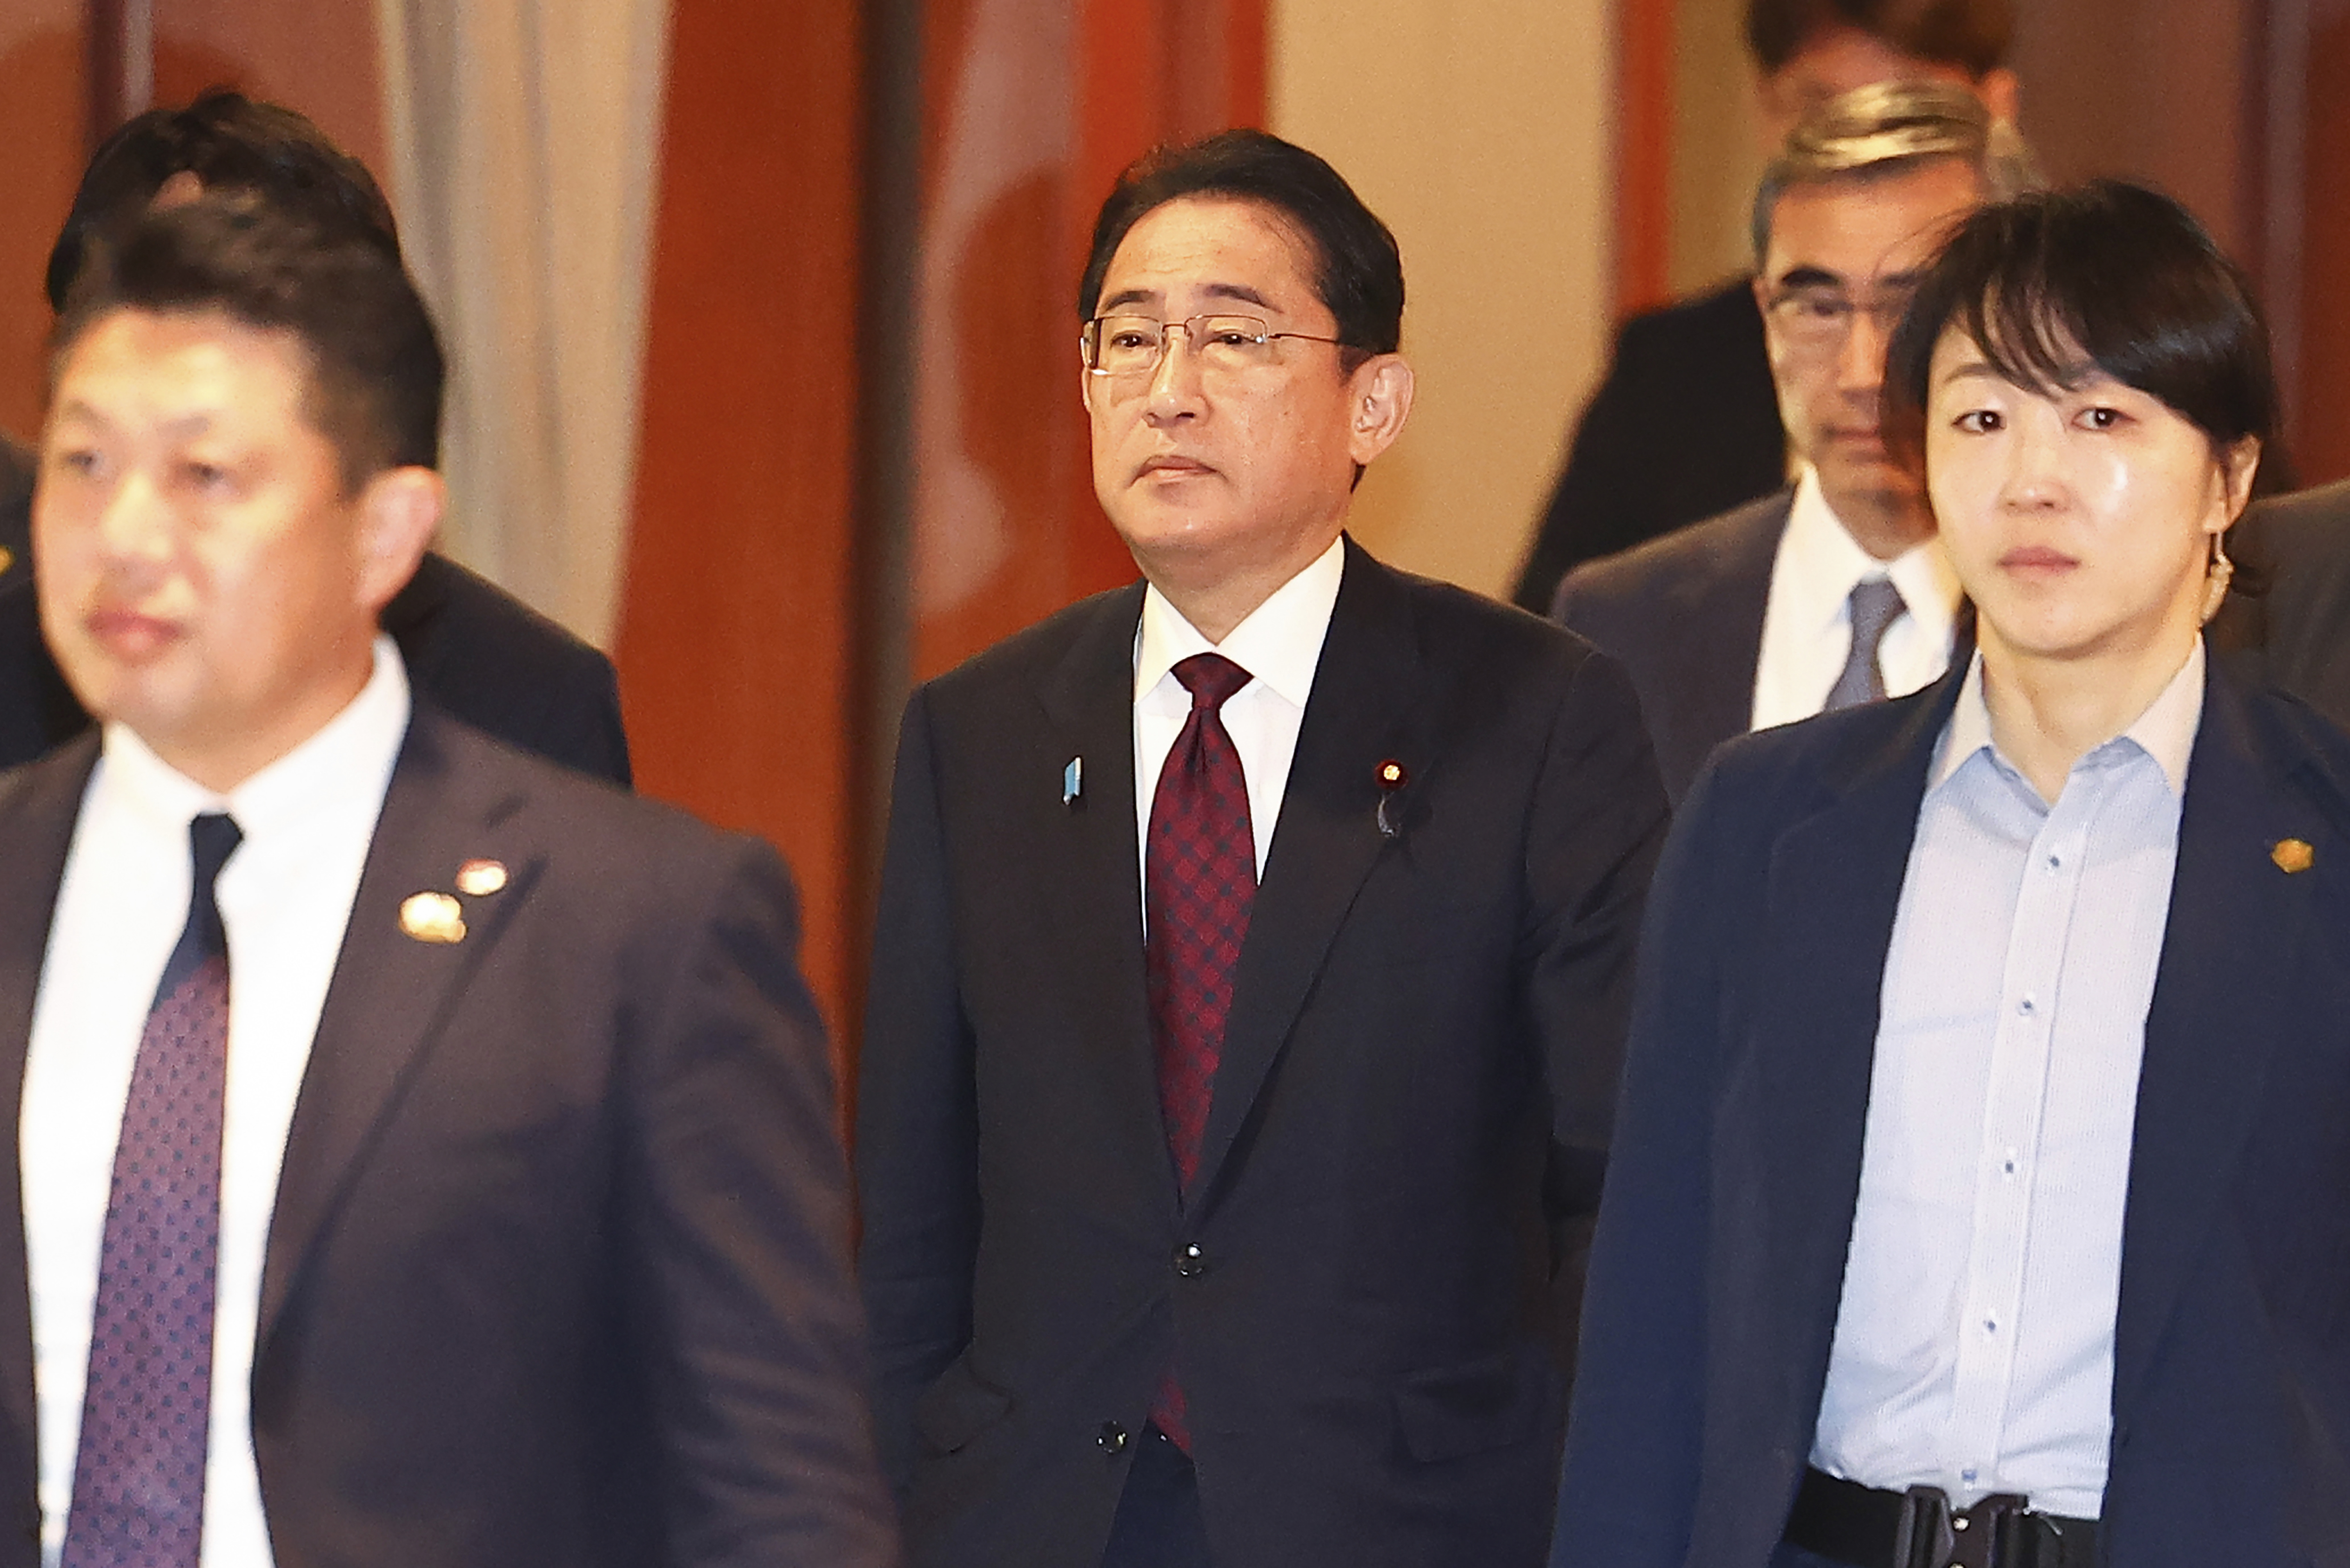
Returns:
(1875, 603)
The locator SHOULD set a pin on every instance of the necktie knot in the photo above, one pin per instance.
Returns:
(213, 837)
(1211, 678)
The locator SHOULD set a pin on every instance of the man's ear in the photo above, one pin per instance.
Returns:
(399, 511)
(1380, 393)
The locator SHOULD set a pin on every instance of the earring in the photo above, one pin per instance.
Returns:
(2222, 572)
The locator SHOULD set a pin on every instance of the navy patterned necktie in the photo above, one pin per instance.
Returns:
(1199, 884)
(138, 1472)
(1875, 604)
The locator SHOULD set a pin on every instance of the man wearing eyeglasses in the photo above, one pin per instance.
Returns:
(1832, 592)
(1250, 969)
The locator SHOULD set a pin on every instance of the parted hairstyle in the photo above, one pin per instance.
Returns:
(375, 367)
(2056, 284)
(1358, 270)
(1887, 128)
(229, 142)
(1972, 34)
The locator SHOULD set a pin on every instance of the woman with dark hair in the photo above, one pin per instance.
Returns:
(1979, 1191)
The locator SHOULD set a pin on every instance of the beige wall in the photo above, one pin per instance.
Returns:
(1717, 153)
(1480, 133)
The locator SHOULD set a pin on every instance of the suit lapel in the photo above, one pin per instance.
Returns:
(1093, 891)
(38, 808)
(2235, 928)
(1722, 677)
(1833, 886)
(392, 995)
(1366, 694)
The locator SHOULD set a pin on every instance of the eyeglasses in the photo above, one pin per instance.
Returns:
(1820, 319)
(1129, 348)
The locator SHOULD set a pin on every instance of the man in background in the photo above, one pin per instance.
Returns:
(1832, 592)
(1684, 424)
(480, 653)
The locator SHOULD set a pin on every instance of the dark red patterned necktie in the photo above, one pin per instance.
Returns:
(1199, 882)
(139, 1472)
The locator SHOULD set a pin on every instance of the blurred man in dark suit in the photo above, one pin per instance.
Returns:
(469, 1195)
(483, 654)
(1684, 425)
(1832, 592)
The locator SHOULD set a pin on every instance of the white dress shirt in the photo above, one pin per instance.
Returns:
(1974, 1346)
(284, 897)
(1279, 645)
(1807, 618)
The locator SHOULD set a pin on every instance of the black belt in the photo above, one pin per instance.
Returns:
(1866, 1528)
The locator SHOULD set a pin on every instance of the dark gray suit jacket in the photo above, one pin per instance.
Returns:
(1407, 1125)
(1684, 615)
(557, 1275)
(2288, 624)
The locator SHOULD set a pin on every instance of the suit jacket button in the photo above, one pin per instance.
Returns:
(1191, 1260)
(1112, 1438)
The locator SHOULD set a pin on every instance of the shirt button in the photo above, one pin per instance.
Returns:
(1968, 1476)
(1111, 1438)
(2055, 863)
(1991, 1325)
(2027, 1007)
(1191, 1260)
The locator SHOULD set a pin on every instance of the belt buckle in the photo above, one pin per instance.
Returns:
(1997, 1532)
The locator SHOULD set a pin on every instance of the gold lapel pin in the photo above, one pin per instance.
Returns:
(2293, 855)
(432, 918)
(1392, 776)
(479, 878)
(8, 558)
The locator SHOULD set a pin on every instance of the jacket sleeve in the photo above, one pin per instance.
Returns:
(1635, 1431)
(917, 1117)
(1600, 817)
(735, 1219)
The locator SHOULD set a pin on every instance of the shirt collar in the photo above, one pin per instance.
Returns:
(2165, 731)
(1279, 644)
(352, 752)
(1824, 564)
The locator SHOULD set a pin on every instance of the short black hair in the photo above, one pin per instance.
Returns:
(1358, 268)
(2108, 273)
(1974, 36)
(375, 367)
(229, 142)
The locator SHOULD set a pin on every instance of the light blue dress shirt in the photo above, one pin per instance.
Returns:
(1974, 1344)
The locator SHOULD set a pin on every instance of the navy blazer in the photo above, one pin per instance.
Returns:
(1719, 1263)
